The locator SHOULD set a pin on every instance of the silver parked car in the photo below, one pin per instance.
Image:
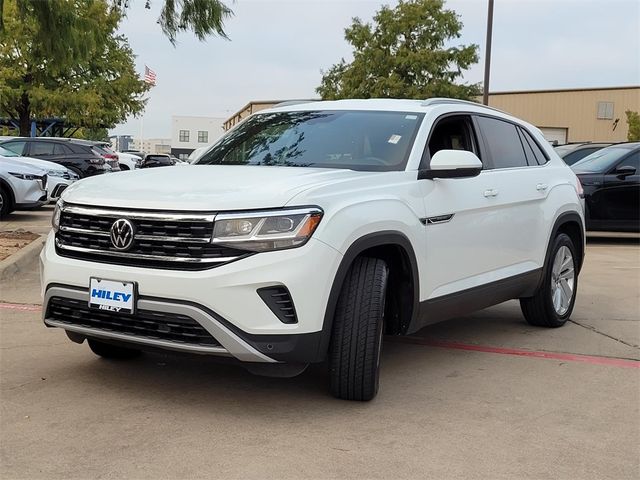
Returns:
(22, 186)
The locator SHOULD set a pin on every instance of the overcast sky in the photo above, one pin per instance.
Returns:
(277, 49)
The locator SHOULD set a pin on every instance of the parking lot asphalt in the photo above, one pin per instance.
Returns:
(485, 396)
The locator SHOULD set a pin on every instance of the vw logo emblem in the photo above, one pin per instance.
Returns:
(122, 234)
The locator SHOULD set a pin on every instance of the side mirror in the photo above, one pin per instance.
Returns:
(625, 171)
(452, 164)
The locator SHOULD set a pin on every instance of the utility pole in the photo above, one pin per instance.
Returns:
(487, 55)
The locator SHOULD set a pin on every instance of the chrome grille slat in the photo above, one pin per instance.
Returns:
(161, 240)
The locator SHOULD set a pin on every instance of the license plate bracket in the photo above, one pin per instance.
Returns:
(113, 295)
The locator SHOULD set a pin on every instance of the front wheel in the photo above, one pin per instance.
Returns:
(553, 302)
(356, 340)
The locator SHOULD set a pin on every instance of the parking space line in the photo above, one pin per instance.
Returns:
(568, 357)
(20, 306)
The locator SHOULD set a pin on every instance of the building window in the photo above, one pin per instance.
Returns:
(184, 135)
(183, 156)
(203, 136)
(605, 111)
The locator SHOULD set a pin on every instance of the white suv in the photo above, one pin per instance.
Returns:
(310, 229)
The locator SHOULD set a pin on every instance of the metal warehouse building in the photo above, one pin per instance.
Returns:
(572, 115)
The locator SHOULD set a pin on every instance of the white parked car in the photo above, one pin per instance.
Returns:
(22, 186)
(309, 230)
(59, 177)
(128, 161)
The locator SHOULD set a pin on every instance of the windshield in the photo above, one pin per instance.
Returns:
(356, 140)
(5, 152)
(600, 161)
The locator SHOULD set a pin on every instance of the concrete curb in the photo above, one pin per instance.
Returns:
(16, 262)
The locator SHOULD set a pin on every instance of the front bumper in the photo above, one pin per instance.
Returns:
(222, 299)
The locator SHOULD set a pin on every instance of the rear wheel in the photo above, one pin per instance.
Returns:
(356, 341)
(553, 302)
(123, 167)
(107, 350)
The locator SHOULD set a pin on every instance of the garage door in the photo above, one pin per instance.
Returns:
(555, 135)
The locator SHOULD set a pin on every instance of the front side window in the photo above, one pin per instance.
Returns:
(203, 136)
(184, 135)
(450, 133)
(503, 143)
(15, 147)
(356, 140)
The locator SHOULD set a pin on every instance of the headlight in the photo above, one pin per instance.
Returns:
(266, 230)
(24, 176)
(56, 173)
(57, 211)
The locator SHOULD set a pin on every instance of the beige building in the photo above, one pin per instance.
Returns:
(573, 115)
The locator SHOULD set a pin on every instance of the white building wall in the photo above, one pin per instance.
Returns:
(196, 132)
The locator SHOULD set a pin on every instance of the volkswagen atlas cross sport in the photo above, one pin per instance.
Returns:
(311, 229)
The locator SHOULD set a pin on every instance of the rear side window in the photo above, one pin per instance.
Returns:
(59, 149)
(540, 156)
(503, 142)
(41, 148)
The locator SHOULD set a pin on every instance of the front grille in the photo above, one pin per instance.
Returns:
(144, 323)
(180, 241)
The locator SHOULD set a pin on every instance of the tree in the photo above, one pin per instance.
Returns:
(203, 17)
(403, 54)
(93, 84)
(633, 121)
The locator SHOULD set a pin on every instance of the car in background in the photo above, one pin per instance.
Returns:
(22, 186)
(197, 153)
(59, 177)
(79, 156)
(610, 178)
(574, 152)
(153, 160)
(128, 161)
(110, 157)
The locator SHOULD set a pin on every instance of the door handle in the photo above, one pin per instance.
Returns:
(491, 193)
(541, 187)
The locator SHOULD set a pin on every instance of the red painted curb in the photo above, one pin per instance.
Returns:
(567, 357)
(20, 306)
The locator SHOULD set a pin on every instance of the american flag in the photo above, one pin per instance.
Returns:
(149, 76)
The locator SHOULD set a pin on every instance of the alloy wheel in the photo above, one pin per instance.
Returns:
(562, 280)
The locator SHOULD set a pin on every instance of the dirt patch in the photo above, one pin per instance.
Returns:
(11, 242)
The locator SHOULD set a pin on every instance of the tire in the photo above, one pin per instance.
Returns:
(356, 339)
(77, 171)
(115, 352)
(551, 305)
(5, 203)
(123, 167)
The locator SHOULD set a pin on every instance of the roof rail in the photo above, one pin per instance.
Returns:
(429, 102)
(292, 102)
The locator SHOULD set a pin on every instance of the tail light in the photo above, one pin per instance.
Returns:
(579, 188)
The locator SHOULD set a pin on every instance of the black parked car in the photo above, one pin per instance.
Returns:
(157, 160)
(84, 157)
(574, 152)
(611, 181)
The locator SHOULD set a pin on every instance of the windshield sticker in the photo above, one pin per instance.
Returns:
(394, 139)
(411, 117)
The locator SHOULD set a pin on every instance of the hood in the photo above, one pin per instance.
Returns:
(42, 164)
(202, 187)
(12, 164)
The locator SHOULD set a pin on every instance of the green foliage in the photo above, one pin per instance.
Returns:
(633, 121)
(91, 83)
(403, 54)
(203, 17)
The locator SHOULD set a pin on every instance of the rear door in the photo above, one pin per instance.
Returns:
(620, 195)
(515, 188)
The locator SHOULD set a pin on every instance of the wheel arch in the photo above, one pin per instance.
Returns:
(571, 224)
(396, 249)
